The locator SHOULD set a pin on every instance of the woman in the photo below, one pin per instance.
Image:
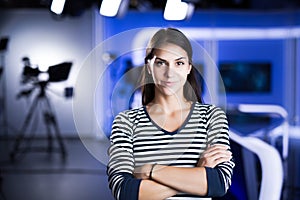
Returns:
(173, 147)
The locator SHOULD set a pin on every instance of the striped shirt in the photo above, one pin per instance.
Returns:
(137, 140)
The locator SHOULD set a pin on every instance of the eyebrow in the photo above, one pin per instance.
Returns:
(180, 58)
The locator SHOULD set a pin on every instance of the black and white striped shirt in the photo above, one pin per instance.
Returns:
(137, 140)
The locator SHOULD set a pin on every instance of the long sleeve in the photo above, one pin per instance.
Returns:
(121, 164)
(136, 141)
(219, 178)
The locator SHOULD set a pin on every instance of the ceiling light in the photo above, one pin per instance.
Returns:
(178, 10)
(57, 6)
(110, 8)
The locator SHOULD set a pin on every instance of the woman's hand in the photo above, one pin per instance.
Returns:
(143, 172)
(214, 155)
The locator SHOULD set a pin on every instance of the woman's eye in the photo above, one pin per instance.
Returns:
(180, 63)
(160, 63)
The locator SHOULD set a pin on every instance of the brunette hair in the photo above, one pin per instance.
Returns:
(192, 89)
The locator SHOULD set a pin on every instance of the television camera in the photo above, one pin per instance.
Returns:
(36, 77)
(41, 105)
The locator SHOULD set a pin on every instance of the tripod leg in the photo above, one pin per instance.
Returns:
(58, 136)
(22, 132)
(52, 121)
(47, 121)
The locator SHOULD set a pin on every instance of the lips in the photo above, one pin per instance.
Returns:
(168, 83)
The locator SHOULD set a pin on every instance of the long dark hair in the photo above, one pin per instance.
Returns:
(192, 89)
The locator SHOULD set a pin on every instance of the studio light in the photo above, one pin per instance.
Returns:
(110, 8)
(57, 6)
(178, 10)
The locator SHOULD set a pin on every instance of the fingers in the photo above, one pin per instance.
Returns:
(214, 155)
(221, 157)
(217, 149)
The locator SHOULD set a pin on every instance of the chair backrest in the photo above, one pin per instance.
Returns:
(271, 165)
(282, 129)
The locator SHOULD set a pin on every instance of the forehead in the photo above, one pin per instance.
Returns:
(170, 51)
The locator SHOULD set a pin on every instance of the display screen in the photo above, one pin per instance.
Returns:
(246, 77)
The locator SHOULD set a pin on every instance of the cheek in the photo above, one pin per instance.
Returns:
(156, 75)
(183, 74)
(158, 72)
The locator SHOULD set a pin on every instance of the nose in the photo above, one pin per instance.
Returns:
(169, 72)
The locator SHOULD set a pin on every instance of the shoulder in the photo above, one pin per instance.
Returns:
(126, 120)
(131, 114)
(206, 107)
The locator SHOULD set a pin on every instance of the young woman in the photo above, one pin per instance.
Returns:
(174, 146)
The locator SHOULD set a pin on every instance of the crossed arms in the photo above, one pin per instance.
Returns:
(167, 181)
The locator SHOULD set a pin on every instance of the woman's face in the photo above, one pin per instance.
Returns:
(169, 68)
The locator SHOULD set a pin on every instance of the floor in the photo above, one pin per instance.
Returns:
(42, 176)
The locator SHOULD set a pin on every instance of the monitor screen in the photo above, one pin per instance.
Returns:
(246, 77)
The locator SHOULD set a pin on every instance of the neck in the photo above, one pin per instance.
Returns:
(170, 104)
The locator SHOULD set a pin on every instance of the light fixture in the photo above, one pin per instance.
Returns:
(178, 10)
(110, 8)
(57, 6)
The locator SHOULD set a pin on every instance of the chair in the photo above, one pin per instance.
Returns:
(273, 133)
(271, 166)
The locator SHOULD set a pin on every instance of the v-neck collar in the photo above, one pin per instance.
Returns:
(175, 131)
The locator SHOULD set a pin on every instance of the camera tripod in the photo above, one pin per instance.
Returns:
(40, 101)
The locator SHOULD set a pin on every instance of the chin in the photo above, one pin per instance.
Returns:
(169, 91)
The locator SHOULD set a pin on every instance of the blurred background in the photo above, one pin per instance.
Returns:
(68, 67)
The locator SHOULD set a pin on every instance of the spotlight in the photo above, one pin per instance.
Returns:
(178, 10)
(57, 6)
(110, 8)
